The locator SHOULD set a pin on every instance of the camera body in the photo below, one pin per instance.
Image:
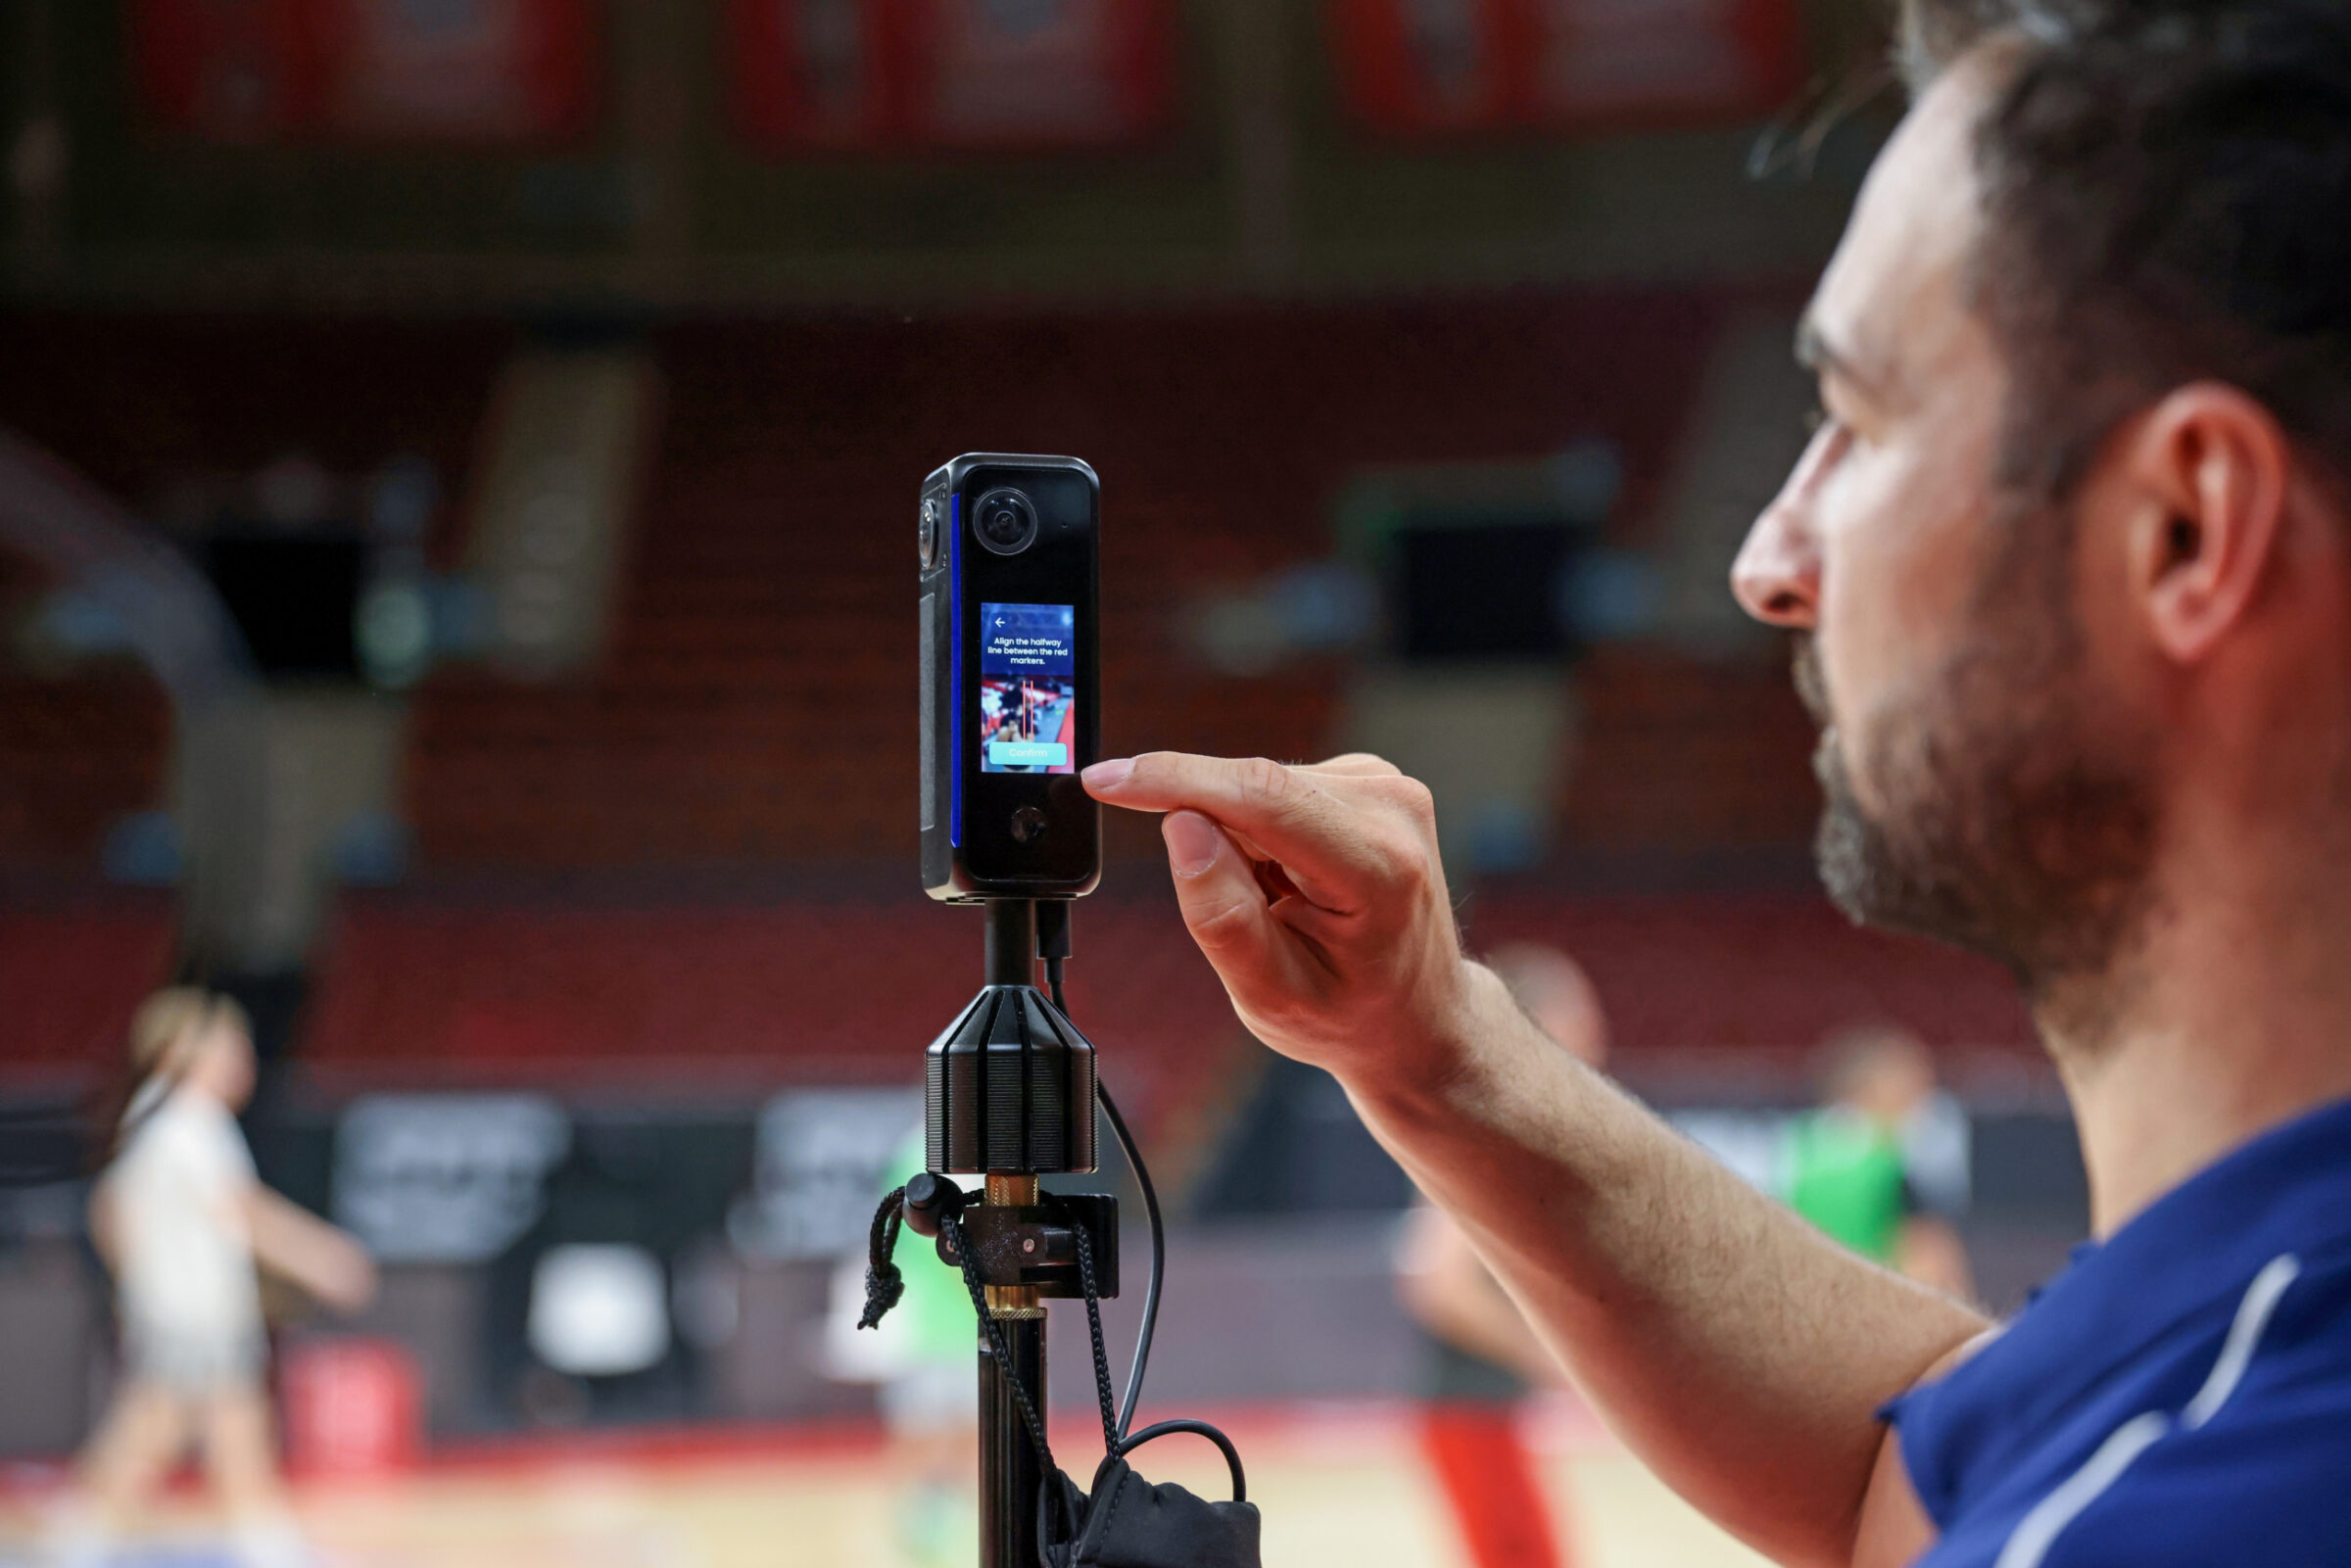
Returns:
(1011, 683)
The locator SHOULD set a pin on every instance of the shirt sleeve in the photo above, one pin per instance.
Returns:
(210, 1151)
(1912, 1416)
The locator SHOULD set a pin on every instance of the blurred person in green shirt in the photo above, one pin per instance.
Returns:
(923, 1358)
(1848, 1166)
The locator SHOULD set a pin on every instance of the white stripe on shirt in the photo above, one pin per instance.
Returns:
(2038, 1530)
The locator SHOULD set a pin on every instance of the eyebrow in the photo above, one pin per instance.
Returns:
(1816, 354)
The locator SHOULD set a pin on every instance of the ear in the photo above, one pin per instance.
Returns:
(2210, 467)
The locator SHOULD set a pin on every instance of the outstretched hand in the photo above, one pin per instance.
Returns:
(1316, 893)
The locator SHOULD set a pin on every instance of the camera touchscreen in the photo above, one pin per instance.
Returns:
(1027, 688)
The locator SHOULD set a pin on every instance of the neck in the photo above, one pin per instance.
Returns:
(2230, 1015)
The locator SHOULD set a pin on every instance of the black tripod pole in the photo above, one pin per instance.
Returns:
(1010, 1474)
(1009, 1095)
(1011, 954)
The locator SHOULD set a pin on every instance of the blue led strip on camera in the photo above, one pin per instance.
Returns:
(955, 687)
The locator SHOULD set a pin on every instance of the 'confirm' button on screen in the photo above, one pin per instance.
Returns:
(1028, 754)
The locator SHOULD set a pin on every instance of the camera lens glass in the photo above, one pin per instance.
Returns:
(1005, 521)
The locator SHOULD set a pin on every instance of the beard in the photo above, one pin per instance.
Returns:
(2015, 817)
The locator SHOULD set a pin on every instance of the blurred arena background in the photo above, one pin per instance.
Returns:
(458, 462)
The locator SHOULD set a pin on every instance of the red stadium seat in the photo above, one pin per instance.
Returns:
(72, 970)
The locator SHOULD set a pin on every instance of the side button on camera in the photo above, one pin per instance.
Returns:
(1028, 824)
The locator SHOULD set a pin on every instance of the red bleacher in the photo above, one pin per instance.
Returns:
(752, 704)
(756, 704)
(79, 748)
(1767, 975)
(77, 752)
(729, 998)
(719, 998)
(71, 972)
(1676, 754)
(138, 404)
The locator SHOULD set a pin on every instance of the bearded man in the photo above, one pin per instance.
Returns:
(2068, 566)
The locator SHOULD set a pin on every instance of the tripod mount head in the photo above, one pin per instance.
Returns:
(1008, 1088)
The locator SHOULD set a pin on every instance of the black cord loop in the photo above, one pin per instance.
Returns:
(884, 1284)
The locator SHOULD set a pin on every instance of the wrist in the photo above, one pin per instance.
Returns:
(1425, 1075)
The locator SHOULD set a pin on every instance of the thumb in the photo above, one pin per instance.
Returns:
(1223, 907)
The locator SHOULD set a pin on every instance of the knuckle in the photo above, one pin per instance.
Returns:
(1413, 799)
(1219, 923)
(1405, 859)
(1153, 767)
(1267, 779)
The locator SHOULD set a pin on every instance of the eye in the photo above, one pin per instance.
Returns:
(1829, 441)
(1820, 419)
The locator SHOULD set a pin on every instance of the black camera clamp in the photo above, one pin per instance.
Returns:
(1010, 1094)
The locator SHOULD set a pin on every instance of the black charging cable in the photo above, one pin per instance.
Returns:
(1159, 1243)
(1053, 946)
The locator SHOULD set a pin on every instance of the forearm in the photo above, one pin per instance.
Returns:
(290, 1241)
(1742, 1354)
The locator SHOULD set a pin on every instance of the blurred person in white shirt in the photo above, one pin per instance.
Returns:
(182, 1222)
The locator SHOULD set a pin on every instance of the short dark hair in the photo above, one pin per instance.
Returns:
(2167, 194)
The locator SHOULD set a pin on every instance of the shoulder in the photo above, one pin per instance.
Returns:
(200, 1130)
(2222, 1434)
(2251, 1469)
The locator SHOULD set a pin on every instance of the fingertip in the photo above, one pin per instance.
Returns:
(1107, 774)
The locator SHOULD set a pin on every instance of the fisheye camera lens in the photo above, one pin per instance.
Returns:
(1005, 521)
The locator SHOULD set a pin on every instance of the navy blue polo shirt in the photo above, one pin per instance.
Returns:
(2181, 1395)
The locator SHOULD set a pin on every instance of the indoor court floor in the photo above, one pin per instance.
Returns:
(1341, 1486)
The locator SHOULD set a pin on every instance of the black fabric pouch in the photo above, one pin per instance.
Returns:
(1129, 1523)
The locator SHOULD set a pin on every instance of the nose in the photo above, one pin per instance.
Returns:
(1777, 574)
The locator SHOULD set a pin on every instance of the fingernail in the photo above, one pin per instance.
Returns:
(1194, 842)
(1108, 775)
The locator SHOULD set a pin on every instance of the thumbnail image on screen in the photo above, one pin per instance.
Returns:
(1027, 688)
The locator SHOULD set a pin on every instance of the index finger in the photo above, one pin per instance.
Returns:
(1318, 840)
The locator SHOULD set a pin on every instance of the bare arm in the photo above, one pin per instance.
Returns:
(290, 1240)
(1740, 1353)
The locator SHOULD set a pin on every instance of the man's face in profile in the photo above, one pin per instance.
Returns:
(1984, 782)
